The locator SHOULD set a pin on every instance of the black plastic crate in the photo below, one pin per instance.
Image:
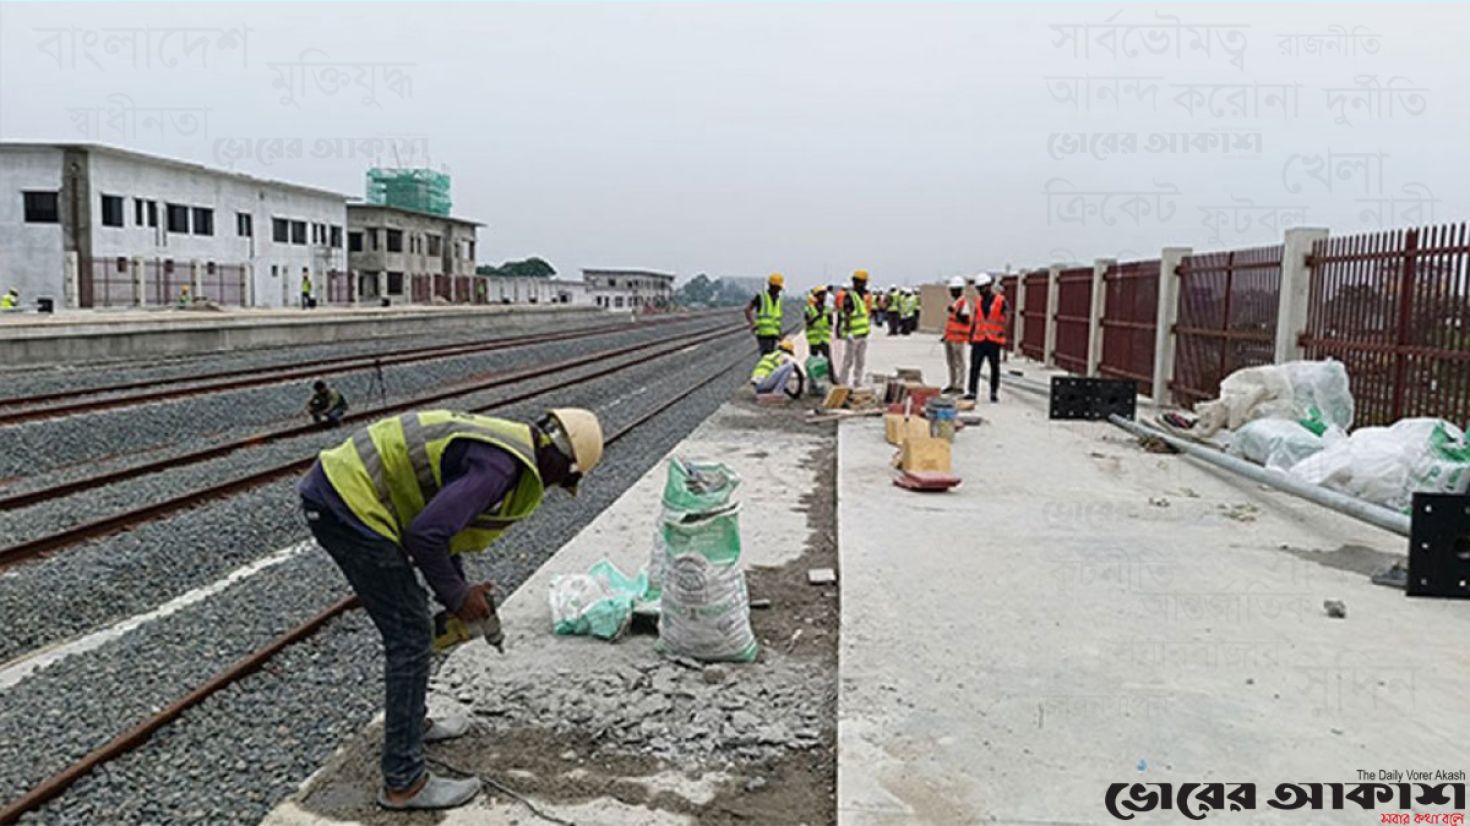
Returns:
(1439, 546)
(1074, 397)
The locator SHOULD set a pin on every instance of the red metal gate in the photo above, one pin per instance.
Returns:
(1034, 344)
(223, 284)
(1227, 318)
(461, 289)
(105, 282)
(1073, 316)
(1008, 287)
(1394, 307)
(340, 287)
(1130, 319)
(421, 289)
(442, 287)
(164, 281)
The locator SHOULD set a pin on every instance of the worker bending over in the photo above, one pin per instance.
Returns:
(818, 317)
(763, 313)
(774, 371)
(987, 337)
(413, 493)
(11, 299)
(957, 334)
(854, 321)
(326, 405)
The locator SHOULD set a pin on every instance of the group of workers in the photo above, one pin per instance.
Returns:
(976, 322)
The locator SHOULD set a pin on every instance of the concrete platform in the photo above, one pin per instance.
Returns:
(91, 335)
(560, 765)
(1081, 612)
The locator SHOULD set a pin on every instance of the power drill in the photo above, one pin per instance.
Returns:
(450, 630)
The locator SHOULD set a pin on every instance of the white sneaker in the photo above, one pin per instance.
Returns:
(437, 793)
(447, 728)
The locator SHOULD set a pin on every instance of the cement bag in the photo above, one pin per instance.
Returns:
(1294, 390)
(598, 603)
(692, 486)
(818, 375)
(1279, 443)
(704, 610)
(1387, 465)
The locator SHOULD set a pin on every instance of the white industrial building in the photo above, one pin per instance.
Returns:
(94, 226)
(629, 289)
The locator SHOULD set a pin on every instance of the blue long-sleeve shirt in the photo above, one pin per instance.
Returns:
(476, 476)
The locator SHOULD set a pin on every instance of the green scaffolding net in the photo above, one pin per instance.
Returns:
(422, 190)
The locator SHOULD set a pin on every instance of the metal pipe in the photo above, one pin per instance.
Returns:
(1377, 515)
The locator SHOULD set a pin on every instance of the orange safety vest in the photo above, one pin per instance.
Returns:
(956, 330)
(990, 327)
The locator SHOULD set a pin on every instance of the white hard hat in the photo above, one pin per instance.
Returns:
(957, 281)
(582, 433)
(982, 279)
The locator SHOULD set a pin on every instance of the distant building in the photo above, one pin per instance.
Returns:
(95, 226)
(629, 289)
(410, 256)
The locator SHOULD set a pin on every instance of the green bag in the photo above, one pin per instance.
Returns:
(698, 486)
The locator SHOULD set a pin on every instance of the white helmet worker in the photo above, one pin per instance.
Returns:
(577, 434)
(957, 282)
(982, 279)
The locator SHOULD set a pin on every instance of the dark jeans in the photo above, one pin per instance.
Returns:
(767, 343)
(989, 351)
(380, 573)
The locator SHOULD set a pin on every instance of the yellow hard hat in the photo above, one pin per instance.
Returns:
(860, 275)
(787, 345)
(583, 435)
(776, 279)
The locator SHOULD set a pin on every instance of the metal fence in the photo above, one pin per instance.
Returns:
(1394, 308)
(164, 281)
(461, 289)
(1073, 317)
(1129, 322)
(223, 284)
(421, 289)
(1034, 343)
(1227, 317)
(105, 282)
(442, 287)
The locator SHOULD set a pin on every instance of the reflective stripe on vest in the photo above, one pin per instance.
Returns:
(954, 329)
(858, 320)
(768, 316)
(818, 323)
(388, 471)
(991, 327)
(767, 365)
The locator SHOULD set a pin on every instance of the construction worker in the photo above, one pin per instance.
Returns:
(305, 288)
(11, 299)
(908, 311)
(818, 319)
(414, 492)
(774, 371)
(326, 405)
(957, 332)
(763, 313)
(895, 300)
(987, 337)
(854, 322)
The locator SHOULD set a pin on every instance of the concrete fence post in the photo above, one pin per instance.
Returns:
(1050, 348)
(70, 275)
(247, 291)
(1096, 313)
(1296, 288)
(196, 280)
(1168, 313)
(1018, 329)
(138, 281)
(382, 285)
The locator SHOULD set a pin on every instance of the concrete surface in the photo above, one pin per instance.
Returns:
(1081, 612)
(774, 532)
(77, 336)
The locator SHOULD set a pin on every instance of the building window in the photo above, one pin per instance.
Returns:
(395, 240)
(372, 237)
(112, 210)
(395, 283)
(280, 230)
(354, 242)
(152, 213)
(298, 232)
(336, 236)
(244, 225)
(41, 208)
(470, 250)
(178, 218)
(618, 302)
(434, 242)
(203, 221)
(137, 212)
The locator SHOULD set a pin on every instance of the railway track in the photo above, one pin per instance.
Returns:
(31, 549)
(56, 784)
(34, 407)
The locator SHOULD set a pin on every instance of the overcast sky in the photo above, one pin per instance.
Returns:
(735, 139)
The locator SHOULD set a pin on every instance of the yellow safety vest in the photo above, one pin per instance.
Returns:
(818, 323)
(858, 322)
(7, 302)
(768, 315)
(387, 472)
(768, 364)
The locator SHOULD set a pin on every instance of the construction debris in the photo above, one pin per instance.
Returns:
(1337, 609)
(821, 576)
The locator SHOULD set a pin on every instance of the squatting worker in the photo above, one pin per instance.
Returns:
(415, 491)
(957, 335)
(818, 324)
(854, 321)
(763, 313)
(774, 371)
(987, 337)
(327, 406)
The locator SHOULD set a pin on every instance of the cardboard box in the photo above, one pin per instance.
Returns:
(922, 452)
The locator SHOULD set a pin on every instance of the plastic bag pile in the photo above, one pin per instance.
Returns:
(1294, 418)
